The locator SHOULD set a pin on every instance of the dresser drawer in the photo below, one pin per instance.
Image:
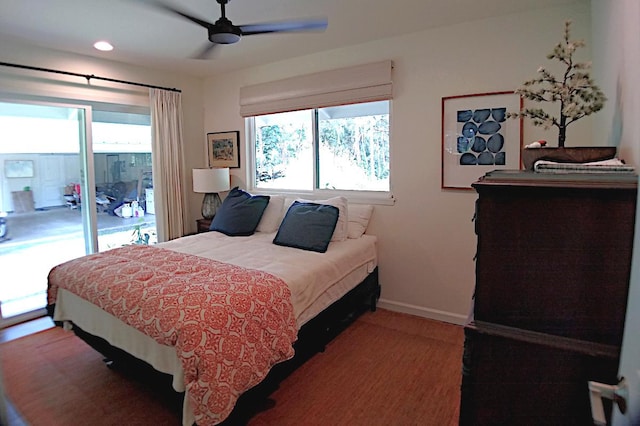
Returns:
(513, 377)
(555, 260)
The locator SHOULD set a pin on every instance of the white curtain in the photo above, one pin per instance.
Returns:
(168, 163)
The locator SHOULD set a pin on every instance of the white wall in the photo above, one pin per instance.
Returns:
(16, 84)
(617, 42)
(426, 240)
(618, 34)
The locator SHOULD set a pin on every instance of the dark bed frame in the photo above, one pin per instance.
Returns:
(312, 338)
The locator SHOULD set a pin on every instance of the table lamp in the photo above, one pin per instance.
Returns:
(210, 182)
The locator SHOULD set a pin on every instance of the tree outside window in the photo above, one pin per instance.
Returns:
(350, 148)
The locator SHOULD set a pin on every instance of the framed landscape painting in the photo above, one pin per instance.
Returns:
(477, 137)
(224, 149)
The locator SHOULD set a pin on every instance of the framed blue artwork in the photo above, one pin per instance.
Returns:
(478, 138)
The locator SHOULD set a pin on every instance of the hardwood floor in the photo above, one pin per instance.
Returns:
(25, 328)
(15, 332)
(386, 368)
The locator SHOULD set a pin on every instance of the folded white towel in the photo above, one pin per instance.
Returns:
(614, 165)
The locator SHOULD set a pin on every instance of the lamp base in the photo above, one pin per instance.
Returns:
(210, 204)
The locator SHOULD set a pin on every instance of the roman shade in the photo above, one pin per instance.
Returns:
(357, 84)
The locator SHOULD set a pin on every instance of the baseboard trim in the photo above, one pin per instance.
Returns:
(423, 312)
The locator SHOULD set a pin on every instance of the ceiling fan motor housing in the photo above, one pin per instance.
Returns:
(224, 32)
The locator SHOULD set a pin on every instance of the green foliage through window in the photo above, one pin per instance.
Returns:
(350, 148)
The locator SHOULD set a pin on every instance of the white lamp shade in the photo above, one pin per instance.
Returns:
(210, 180)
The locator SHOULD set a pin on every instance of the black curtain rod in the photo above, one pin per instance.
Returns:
(87, 76)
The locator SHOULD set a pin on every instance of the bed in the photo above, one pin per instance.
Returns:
(218, 310)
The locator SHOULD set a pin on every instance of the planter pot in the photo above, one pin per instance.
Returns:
(581, 154)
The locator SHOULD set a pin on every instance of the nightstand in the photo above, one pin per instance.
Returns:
(203, 225)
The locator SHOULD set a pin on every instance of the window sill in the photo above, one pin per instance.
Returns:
(354, 197)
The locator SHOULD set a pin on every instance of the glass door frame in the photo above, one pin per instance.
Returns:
(87, 178)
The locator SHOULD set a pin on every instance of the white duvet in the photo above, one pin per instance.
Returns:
(308, 274)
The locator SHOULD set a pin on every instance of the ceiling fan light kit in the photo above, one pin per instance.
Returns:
(225, 38)
(225, 35)
(223, 31)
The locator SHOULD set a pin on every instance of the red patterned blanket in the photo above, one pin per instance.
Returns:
(229, 324)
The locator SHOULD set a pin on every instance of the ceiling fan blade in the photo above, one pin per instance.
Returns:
(185, 15)
(223, 31)
(206, 51)
(319, 24)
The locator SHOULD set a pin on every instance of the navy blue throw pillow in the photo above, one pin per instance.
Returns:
(239, 213)
(307, 226)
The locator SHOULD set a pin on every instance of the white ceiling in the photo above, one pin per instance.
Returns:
(143, 35)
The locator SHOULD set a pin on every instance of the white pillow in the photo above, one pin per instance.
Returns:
(340, 233)
(287, 203)
(272, 216)
(359, 216)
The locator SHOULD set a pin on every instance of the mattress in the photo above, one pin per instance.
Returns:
(315, 280)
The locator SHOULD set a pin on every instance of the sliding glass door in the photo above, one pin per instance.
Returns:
(47, 199)
(74, 180)
(123, 176)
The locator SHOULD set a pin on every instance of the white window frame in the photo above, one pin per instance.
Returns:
(355, 196)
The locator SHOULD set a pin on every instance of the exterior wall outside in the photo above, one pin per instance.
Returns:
(67, 168)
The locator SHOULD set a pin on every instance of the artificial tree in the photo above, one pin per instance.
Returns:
(578, 95)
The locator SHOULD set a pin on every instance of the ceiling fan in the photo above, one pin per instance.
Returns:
(223, 31)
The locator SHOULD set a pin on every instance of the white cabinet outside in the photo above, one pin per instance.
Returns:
(148, 195)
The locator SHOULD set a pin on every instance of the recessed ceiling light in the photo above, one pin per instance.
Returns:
(104, 46)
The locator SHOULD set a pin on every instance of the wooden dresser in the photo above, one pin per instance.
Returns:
(552, 274)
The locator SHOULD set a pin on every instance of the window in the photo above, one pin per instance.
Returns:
(284, 150)
(335, 148)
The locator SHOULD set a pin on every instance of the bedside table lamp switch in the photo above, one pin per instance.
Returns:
(210, 182)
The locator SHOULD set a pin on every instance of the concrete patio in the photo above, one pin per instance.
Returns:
(37, 241)
(61, 222)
